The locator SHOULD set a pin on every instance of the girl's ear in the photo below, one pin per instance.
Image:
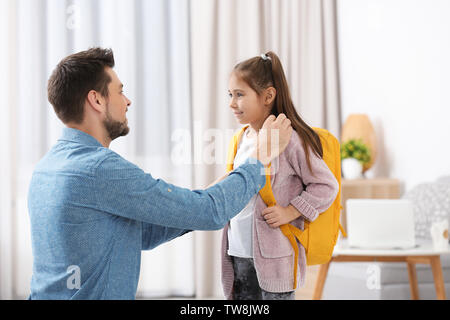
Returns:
(270, 94)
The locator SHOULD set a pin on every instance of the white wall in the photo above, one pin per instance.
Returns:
(395, 67)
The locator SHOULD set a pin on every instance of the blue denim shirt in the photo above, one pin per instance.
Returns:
(92, 212)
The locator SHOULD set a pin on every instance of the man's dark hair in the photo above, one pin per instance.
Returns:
(74, 77)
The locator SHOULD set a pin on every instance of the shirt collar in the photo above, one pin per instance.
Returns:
(75, 135)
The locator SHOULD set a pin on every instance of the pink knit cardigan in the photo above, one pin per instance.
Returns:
(292, 183)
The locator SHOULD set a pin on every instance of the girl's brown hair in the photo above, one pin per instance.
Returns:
(266, 71)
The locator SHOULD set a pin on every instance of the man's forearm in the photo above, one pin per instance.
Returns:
(233, 193)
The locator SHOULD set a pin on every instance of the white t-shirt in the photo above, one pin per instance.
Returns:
(240, 229)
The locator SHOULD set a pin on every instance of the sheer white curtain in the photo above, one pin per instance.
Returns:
(7, 148)
(150, 40)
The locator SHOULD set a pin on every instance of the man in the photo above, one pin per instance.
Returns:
(92, 212)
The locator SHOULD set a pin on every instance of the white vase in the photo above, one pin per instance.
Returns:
(352, 168)
(439, 235)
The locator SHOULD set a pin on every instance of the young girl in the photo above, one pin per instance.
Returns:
(257, 259)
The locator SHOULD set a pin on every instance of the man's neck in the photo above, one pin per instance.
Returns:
(94, 131)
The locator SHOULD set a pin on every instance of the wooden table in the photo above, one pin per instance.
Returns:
(423, 253)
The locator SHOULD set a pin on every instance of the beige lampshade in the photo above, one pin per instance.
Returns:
(358, 126)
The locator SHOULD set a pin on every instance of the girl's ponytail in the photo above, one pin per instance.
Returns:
(283, 104)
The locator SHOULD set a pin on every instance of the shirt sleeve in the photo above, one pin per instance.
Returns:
(321, 187)
(127, 191)
(154, 235)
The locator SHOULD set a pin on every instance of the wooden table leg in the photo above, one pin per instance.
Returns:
(320, 282)
(413, 281)
(435, 262)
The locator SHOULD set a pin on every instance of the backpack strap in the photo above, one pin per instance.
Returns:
(344, 234)
(232, 148)
(289, 231)
(293, 234)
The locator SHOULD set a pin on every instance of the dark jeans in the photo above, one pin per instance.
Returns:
(246, 287)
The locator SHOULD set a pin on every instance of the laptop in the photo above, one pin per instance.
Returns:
(380, 224)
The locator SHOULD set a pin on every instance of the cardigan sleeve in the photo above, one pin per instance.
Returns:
(320, 185)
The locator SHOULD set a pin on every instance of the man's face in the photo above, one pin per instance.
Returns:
(116, 122)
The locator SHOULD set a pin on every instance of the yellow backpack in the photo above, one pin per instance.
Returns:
(318, 237)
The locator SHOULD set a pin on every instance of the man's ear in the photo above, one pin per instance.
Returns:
(269, 96)
(96, 101)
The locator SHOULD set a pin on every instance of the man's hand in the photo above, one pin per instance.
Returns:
(273, 138)
(277, 215)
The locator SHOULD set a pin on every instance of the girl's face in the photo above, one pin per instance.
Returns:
(248, 107)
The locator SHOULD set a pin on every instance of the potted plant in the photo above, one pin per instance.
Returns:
(354, 154)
